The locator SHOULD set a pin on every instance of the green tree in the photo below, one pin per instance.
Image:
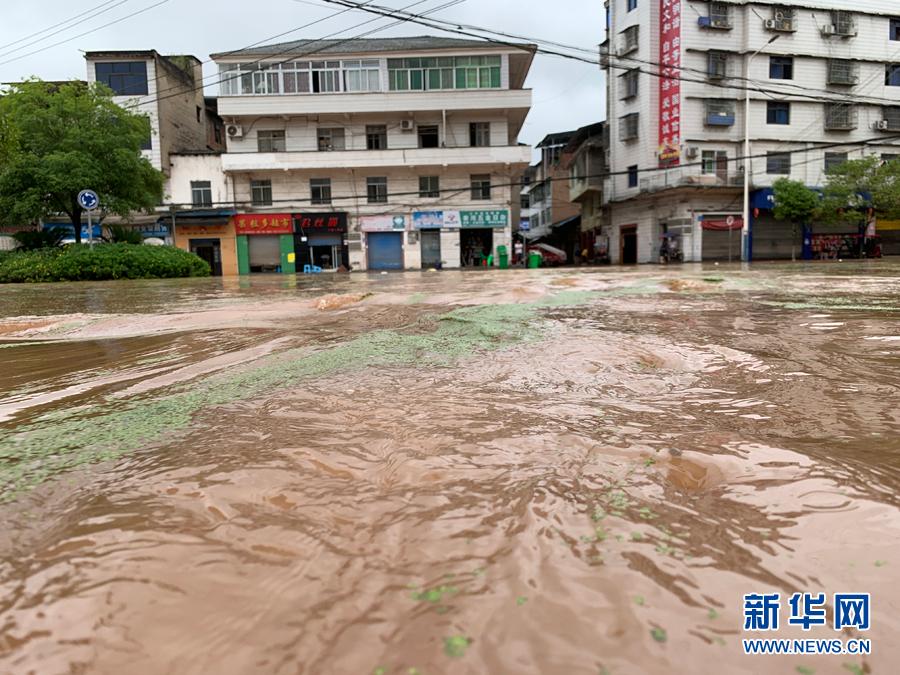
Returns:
(860, 184)
(795, 203)
(67, 138)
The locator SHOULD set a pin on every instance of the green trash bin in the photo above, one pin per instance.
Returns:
(503, 257)
(534, 260)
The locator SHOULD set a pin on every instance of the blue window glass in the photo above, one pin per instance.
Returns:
(633, 176)
(778, 112)
(125, 78)
(892, 75)
(895, 30)
(781, 67)
(632, 4)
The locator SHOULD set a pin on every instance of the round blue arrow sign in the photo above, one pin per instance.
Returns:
(88, 200)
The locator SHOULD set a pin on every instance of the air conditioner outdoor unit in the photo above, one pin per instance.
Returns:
(407, 125)
(692, 151)
(881, 125)
(770, 24)
(234, 131)
(828, 30)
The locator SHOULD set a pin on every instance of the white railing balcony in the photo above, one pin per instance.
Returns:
(690, 176)
(360, 159)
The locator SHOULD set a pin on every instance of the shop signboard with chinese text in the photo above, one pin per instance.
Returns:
(669, 82)
(263, 223)
(498, 218)
(434, 220)
(320, 222)
(382, 223)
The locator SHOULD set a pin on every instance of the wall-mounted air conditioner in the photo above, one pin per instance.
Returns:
(881, 125)
(234, 131)
(407, 125)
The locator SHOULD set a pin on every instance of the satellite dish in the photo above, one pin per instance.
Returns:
(154, 241)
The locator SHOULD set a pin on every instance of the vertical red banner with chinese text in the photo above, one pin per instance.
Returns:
(669, 84)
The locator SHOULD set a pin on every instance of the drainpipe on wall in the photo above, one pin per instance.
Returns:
(444, 128)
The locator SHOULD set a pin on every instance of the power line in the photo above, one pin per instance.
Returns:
(115, 3)
(88, 32)
(293, 54)
(449, 27)
(607, 174)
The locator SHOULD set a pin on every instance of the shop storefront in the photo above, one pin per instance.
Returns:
(438, 235)
(210, 235)
(479, 235)
(265, 243)
(383, 240)
(320, 239)
(720, 236)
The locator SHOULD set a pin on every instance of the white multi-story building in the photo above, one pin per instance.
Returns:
(382, 153)
(826, 90)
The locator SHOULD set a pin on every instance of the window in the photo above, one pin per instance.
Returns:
(713, 160)
(428, 137)
(840, 116)
(895, 30)
(630, 83)
(326, 76)
(833, 160)
(783, 18)
(296, 78)
(270, 141)
(892, 75)
(201, 193)
(480, 134)
(199, 112)
(778, 112)
(628, 126)
(719, 15)
(717, 65)
(362, 75)
(887, 157)
(720, 113)
(376, 137)
(331, 139)
(376, 190)
(449, 72)
(125, 78)
(524, 202)
(629, 39)
(633, 176)
(320, 190)
(429, 186)
(781, 68)
(631, 5)
(261, 192)
(778, 163)
(843, 23)
(892, 117)
(481, 186)
(147, 143)
(842, 71)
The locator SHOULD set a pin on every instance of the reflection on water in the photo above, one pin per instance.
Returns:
(446, 473)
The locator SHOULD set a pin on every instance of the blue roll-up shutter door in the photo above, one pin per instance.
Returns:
(385, 250)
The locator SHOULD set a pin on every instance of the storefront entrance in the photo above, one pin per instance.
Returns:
(264, 253)
(320, 239)
(324, 251)
(475, 246)
(430, 241)
(628, 245)
(385, 250)
(209, 250)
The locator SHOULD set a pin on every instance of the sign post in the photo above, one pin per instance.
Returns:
(89, 201)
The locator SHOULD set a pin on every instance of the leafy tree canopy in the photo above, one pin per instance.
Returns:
(794, 202)
(860, 184)
(56, 140)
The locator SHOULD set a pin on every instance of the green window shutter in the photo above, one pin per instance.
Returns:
(434, 79)
(415, 80)
(471, 78)
(460, 78)
(495, 77)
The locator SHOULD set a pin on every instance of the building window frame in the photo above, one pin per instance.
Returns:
(377, 190)
(331, 139)
(778, 163)
(630, 83)
(778, 112)
(320, 191)
(479, 134)
(781, 67)
(834, 160)
(429, 187)
(125, 78)
(633, 176)
(376, 137)
(271, 140)
(201, 194)
(428, 136)
(261, 192)
(480, 185)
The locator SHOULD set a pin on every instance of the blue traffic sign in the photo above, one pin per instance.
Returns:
(88, 200)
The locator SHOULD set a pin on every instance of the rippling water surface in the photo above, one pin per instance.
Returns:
(524, 472)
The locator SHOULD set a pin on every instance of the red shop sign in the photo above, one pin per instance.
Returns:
(669, 82)
(263, 223)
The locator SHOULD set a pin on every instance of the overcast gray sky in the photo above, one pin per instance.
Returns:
(567, 94)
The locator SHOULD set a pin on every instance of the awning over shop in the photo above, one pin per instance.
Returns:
(200, 217)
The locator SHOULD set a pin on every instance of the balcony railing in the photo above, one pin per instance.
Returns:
(690, 176)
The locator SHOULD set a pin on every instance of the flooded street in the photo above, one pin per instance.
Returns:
(424, 473)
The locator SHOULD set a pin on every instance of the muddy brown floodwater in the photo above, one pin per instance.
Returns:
(524, 472)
